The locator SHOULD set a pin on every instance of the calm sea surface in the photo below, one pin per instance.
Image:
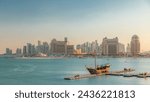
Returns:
(21, 71)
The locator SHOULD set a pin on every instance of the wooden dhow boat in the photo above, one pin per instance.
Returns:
(98, 69)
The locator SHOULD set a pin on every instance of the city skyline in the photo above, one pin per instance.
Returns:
(109, 46)
(81, 21)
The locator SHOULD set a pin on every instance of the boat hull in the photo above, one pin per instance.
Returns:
(98, 71)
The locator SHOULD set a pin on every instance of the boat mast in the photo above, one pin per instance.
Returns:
(95, 58)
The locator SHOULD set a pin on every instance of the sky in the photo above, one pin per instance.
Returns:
(27, 21)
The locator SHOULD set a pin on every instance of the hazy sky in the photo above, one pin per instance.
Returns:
(23, 21)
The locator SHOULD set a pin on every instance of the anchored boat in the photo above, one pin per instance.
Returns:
(98, 69)
(142, 75)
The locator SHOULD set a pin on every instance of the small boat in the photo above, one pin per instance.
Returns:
(142, 75)
(77, 76)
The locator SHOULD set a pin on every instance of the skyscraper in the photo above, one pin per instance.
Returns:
(18, 51)
(110, 46)
(86, 47)
(135, 45)
(61, 47)
(121, 49)
(94, 46)
(29, 48)
(45, 48)
(58, 47)
(25, 51)
(8, 51)
(39, 43)
(128, 50)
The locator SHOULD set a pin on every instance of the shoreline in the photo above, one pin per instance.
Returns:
(62, 57)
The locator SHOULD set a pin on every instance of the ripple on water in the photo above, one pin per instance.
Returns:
(26, 68)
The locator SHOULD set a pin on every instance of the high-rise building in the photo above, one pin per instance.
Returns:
(33, 50)
(135, 45)
(18, 51)
(99, 52)
(121, 49)
(88, 47)
(82, 46)
(29, 47)
(45, 48)
(110, 46)
(57, 47)
(39, 47)
(8, 51)
(66, 41)
(39, 43)
(128, 50)
(29, 50)
(24, 50)
(70, 49)
(61, 47)
(94, 46)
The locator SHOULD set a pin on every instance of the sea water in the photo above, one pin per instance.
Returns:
(52, 71)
